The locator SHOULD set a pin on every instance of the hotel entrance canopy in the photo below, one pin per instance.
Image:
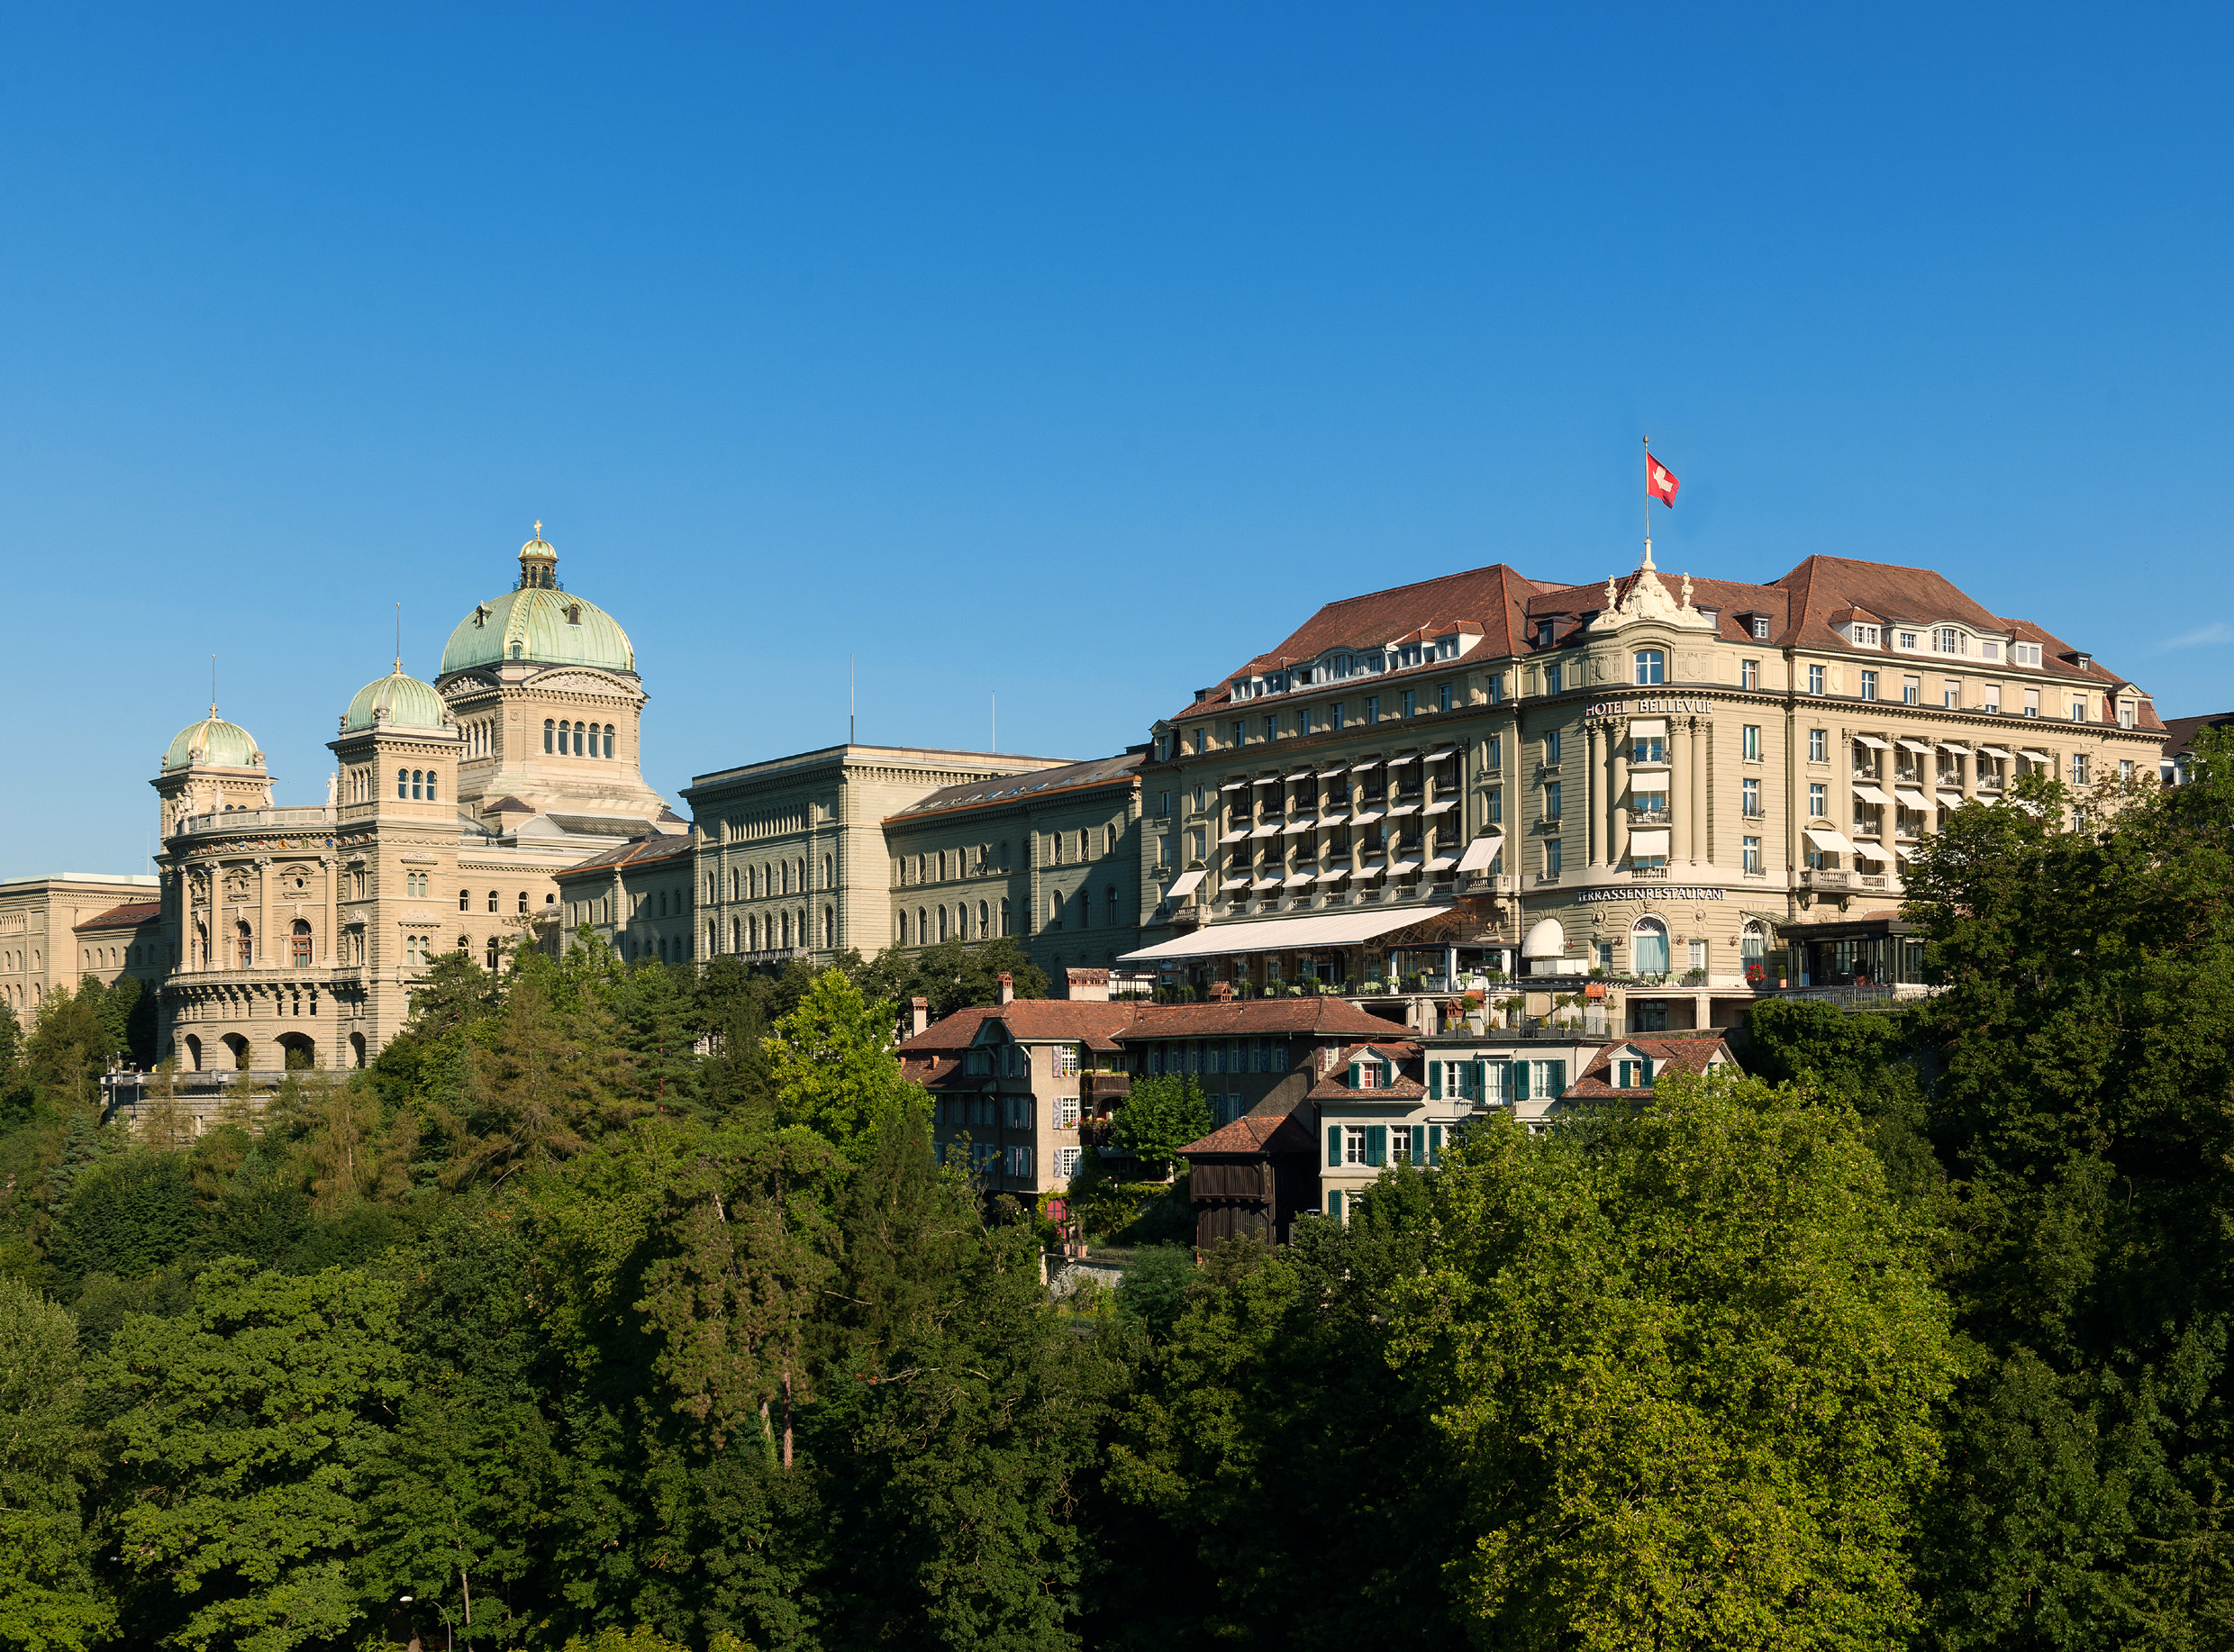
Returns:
(1283, 935)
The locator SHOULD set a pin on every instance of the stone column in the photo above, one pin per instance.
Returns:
(1679, 767)
(1593, 787)
(331, 865)
(1970, 775)
(1702, 828)
(1617, 843)
(1842, 786)
(263, 912)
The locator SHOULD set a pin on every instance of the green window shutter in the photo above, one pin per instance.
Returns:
(1353, 1074)
(1376, 1144)
(1481, 1081)
(1435, 1080)
(1520, 1081)
(1334, 1204)
(1434, 1144)
(1558, 1086)
(1334, 1145)
(1647, 1065)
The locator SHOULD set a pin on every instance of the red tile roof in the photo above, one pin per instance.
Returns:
(1684, 1055)
(123, 917)
(1028, 1020)
(638, 855)
(1326, 1016)
(1034, 785)
(1254, 1133)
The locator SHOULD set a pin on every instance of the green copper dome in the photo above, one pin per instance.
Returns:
(537, 622)
(406, 701)
(213, 740)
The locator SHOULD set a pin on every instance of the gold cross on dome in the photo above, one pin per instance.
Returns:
(539, 530)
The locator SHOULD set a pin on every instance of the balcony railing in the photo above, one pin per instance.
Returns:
(242, 819)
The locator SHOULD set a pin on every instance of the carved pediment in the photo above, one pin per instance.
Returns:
(573, 679)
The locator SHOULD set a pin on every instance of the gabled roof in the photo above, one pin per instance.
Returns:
(125, 916)
(1679, 1055)
(1253, 1133)
(639, 854)
(1325, 1016)
(1027, 1021)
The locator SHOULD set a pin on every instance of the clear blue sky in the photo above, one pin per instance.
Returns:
(1072, 352)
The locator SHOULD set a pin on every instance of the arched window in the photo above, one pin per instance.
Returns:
(1004, 920)
(736, 935)
(829, 927)
(903, 928)
(298, 944)
(429, 785)
(985, 920)
(547, 727)
(1651, 667)
(922, 928)
(1113, 904)
(608, 740)
(1648, 948)
(1108, 840)
(244, 945)
(1055, 910)
(523, 900)
(579, 730)
(942, 923)
(465, 900)
(492, 899)
(732, 884)
(489, 956)
(753, 933)
(786, 930)
(830, 872)
(1004, 854)
(402, 783)
(1753, 950)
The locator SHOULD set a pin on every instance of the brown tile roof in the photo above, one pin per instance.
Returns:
(1028, 1020)
(125, 916)
(1035, 784)
(1684, 1055)
(1254, 1133)
(1488, 600)
(638, 855)
(1334, 1087)
(2180, 732)
(1321, 1017)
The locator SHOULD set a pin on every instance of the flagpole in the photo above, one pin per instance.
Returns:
(1648, 498)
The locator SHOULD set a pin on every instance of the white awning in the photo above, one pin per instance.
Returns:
(1441, 752)
(1903, 854)
(1830, 842)
(1335, 773)
(1266, 780)
(1301, 774)
(1234, 883)
(1481, 852)
(1950, 800)
(1343, 929)
(1545, 939)
(1271, 882)
(1334, 817)
(1648, 727)
(2036, 756)
(1363, 873)
(1438, 808)
(1338, 872)
(1910, 796)
(1239, 834)
(1872, 741)
(1299, 880)
(1305, 824)
(1186, 882)
(1235, 786)
(1959, 751)
(1403, 757)
(1397, 868)
(1905, 744)
(1396, 811)
(1871, 794)
(1360, 767)
(1994, 751)
(1870, 851)
(1365, 817)
(1442, 863)
(1269, 829)
(1648, 840)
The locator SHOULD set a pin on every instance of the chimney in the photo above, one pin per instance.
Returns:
(919, 1016)
(1008, 987)
(1086, 986)
(1221, 992)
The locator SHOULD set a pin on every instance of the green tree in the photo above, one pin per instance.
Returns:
(660, 1021)
(547, 1080)
(1162, 1115)
(69, 1047)
(833, 1067)
(47, 1594)
(128, 1215)
(1689, 1357)
(245, 1429)
(952, 974)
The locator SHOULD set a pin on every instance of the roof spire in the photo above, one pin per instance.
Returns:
(538, 563)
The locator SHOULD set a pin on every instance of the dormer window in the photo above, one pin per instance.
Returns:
(1862, 636)
(1760, 628)
(1946, 640)
(1988, 649)
(574, 613)
(1651, 667)
(480, 616)
(2024, 654)
(1543, 634)
(1906, 640)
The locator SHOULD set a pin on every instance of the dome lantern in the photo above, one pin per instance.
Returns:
(537, 623)
(538, 564)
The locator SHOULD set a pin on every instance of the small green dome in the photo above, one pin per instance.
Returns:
(396, 700)
(537, 622)
(213, 740)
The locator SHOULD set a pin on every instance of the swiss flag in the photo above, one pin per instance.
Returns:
(1659, 480)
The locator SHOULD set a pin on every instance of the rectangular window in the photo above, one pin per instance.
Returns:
(1818, 801)
(1951, 694)
(1605, 955)
(1354, 1143)
(2125, 769)
(1749, 743)
(1067, 1162)
(1552, 857)
(1551, 679)
(1409, 701)
(1496, 806)
(2078, 768)
(1240, 731)
(1748, 673)
(1201, 737)
(1066, 1111)
(1750, 852)
(1751, 804)
(1992, 699)
(2078, 711)
(1272, 727)
(1373, 709)
(1819, 745)
(1551, 800)
(1814, 679)
(1442, 696)
(1496, 687)
(1551, 749)
(1334, 716)
(1869, 684)
(1066, 1061)
(1760, 628)
(2032, 703)
(1494, 754)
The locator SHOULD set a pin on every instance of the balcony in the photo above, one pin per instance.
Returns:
(1827, 880)
(243, 820)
